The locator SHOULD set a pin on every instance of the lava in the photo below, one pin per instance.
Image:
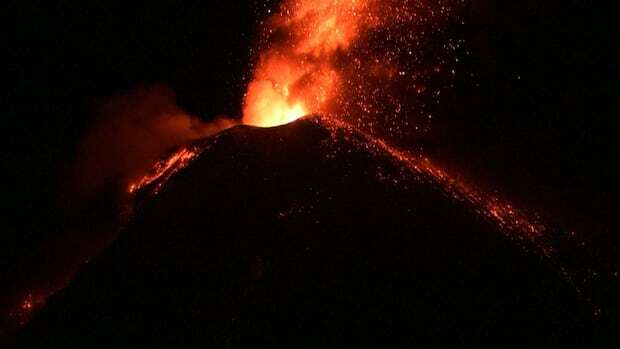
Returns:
(22, 312)
(164, 169)
(296, 76)
(301, 72)
(353, 60)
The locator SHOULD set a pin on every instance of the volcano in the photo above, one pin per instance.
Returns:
(299, 236)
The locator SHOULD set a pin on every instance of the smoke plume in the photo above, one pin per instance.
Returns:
(131, 133)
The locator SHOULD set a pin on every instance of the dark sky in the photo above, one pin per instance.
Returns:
(532, 114)
(538, 121)
(65, 58)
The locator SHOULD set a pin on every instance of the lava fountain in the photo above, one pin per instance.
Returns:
(361, 61)
(296, 73)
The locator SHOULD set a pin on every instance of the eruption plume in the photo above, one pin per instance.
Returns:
(296, 74)
(354, 60)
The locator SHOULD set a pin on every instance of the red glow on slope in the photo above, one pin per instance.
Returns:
(501, 213)
(165, 169)
(24, 309)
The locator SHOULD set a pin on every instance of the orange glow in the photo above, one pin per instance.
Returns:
(513, 222)
(164, 169)
(297, 76)
(268, 101)
(323, 26)
(27, 305)
(22, 312)
(300, 72)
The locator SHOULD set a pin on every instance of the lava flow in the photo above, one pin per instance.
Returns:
(165, 169)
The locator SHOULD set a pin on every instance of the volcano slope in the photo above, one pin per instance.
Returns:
(297, 237)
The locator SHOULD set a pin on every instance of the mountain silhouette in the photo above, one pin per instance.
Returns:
(298, 236)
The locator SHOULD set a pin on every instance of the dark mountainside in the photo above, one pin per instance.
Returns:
(291, 237)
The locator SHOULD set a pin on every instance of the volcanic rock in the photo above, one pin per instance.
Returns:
(298, 236)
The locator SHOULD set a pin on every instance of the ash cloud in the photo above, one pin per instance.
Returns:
(132, 131)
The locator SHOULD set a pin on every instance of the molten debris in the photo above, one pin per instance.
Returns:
(164, 169)
(351, 59)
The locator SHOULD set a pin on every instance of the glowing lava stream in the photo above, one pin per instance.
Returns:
(502, 213)
(165, 169)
